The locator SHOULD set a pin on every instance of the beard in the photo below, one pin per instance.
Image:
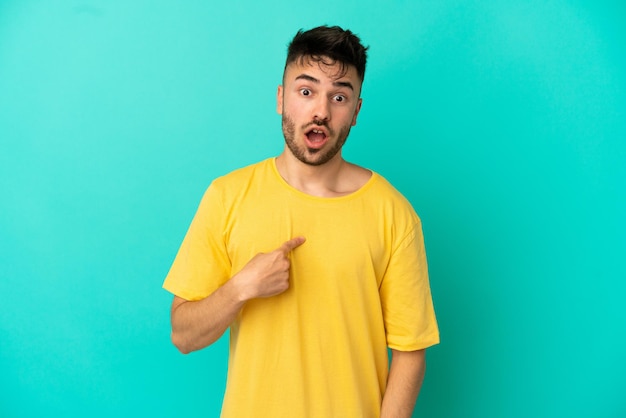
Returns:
(310, 156)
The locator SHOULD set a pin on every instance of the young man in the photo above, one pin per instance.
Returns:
(316, 265)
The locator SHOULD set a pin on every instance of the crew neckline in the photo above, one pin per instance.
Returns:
(349, 196)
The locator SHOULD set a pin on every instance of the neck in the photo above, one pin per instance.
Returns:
(322, 180)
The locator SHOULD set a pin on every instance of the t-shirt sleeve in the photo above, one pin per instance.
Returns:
(202, 264)
(408, 311)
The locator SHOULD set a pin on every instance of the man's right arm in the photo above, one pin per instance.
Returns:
(198, 324)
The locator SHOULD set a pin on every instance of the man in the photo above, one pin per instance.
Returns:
(317, 265)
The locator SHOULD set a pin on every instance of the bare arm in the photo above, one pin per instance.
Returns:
(403, 384)
(197, 324)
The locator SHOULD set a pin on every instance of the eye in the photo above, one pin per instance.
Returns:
(339, 98)
(305, 92)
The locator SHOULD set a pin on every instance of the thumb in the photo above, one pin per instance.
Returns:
(292, 244)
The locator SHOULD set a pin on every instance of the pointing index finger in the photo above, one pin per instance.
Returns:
(292, 244)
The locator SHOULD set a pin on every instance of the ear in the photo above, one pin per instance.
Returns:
(279, 100)
(356, 111)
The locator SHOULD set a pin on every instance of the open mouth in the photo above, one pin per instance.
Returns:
(316, 138)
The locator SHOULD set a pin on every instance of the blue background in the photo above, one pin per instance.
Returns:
(503, 122)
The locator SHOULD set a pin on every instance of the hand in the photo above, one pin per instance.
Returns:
(267, 274)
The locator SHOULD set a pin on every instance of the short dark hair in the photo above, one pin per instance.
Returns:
(334, 43)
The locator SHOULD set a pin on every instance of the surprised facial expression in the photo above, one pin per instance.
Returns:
(319, 103)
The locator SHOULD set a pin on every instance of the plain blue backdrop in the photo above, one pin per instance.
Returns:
(503, 122)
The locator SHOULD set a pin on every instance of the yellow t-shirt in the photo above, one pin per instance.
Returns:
(357, 285)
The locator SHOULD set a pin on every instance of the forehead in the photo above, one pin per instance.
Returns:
(323, 67)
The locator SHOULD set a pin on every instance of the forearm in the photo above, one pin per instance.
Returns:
(198, 324)
(403, 384)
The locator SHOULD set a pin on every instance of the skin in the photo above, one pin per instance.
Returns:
(314, 95)
(404, 382)
(198, 324)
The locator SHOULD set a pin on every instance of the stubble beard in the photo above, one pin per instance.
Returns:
(312, 156)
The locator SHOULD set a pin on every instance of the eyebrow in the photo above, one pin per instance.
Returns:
(316, 81)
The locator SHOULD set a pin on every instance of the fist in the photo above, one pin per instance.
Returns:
(267, 274)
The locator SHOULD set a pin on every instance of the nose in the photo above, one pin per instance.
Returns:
(321, 111)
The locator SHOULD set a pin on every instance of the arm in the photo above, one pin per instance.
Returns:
(403, 384)
(197, 324)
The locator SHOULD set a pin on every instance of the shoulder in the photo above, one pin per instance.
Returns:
(362, 177)
(243, 182)
(386, 189)
(393, 202)
(353, 178)
(244, 174)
